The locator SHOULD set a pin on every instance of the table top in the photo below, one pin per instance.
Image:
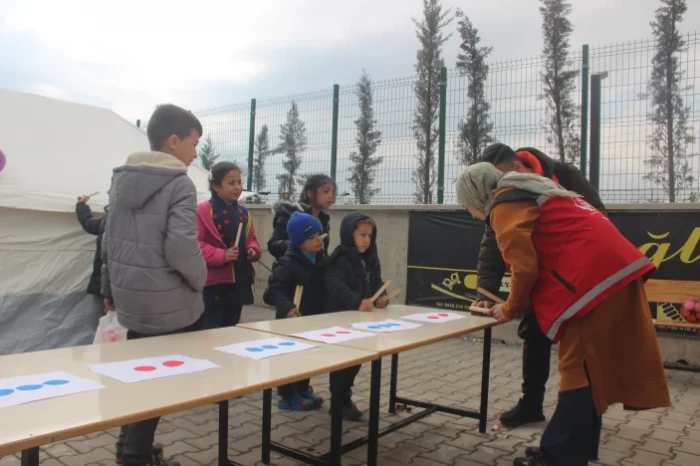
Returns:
(383, 343)
(55, 419)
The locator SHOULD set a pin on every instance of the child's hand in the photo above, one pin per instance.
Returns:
(366, 305)
(382, 302)
(109, 305)
(232, 254)
(83, 199)
(293, 313)
(252, 255)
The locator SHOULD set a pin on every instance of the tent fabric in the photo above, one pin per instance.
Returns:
(55, 151)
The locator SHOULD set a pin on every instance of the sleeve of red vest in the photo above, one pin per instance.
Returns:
(513, 223)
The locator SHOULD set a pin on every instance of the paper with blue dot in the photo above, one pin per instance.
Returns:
(28, 388)
(262, 349)
(386, 326)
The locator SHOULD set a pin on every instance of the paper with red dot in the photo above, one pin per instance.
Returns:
(138, 370)
(437, 317)
(333, 335)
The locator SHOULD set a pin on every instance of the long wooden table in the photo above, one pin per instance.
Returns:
(385, 344)
(26, 427)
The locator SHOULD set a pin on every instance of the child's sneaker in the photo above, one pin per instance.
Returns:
(315, 399)
(350, 411)
(157, 453)
(296, 404)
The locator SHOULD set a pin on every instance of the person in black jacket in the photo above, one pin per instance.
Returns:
(94, 226)
(301, 264)
(316, 197)
(491, 269)
(353, 275)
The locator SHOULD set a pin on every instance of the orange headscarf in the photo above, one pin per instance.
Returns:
(533, 162)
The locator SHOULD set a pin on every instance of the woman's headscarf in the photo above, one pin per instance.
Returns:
(477, 184)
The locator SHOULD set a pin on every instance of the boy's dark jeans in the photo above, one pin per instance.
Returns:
(135, 442)
(346, 380)
(537, 350)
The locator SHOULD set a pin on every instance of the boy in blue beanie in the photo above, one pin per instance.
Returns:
(301, 264)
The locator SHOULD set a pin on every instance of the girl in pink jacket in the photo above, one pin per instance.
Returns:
(229, 265)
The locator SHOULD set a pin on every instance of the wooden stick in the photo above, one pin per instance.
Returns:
(238, 235)
(324, 236)
(490, 295)
(93, 194)
(480, 310)
(297, 297)
(393, 294)
(381, 290)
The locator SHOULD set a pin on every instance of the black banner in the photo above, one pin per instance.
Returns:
(443, 251)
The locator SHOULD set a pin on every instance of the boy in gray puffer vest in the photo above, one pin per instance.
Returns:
(153, 272)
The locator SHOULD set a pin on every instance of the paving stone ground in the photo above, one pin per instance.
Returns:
(448, 373)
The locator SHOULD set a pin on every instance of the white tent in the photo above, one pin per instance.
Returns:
(55, 151)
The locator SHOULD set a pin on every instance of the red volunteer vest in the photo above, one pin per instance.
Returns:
(582, 259)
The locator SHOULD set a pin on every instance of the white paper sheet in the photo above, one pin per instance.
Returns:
(333, 335)
(386, 326)
(261, 349)
(138, 370)
(434, 317)
(28, 388)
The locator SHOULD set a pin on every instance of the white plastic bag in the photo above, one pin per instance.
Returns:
(109, 329)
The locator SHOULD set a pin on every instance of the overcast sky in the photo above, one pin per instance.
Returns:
(205, 53)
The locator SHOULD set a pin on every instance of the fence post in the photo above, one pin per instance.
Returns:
(138, 123)
(585, 70)
(596, 100)
(251, 145)
(441, 140)
(334, 131)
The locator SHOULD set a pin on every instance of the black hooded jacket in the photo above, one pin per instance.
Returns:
(350, 276)
(491, 268)
(278, 243)
(94, 226)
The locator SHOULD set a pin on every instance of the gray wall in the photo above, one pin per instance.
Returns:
(392, 240)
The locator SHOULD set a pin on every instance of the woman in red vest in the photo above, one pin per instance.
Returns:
(585, 283)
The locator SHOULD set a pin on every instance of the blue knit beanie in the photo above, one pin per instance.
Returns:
(302, 227)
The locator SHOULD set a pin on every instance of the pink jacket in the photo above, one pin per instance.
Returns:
(214, 250)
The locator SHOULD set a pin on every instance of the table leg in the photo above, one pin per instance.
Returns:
(336, 419)
(223, 433)
(30, 457)
(393, 382)
(485, 374)
(374, 398)
(267, 425)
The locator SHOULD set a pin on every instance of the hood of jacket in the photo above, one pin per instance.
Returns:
(347, 242)
(546, 162)
(144, 174)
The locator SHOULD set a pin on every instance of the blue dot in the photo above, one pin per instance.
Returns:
(254, 349)
(385, 325)
(29, 387)
(269, 347)
(374, 327)
(287, 343)
(6, 391)
(56, 382)
(394, 325)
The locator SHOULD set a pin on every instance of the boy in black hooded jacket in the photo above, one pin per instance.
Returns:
(353, 276)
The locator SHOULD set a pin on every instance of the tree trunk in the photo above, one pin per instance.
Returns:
(669, 121)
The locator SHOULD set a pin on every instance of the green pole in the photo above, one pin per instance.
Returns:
(441, 141)
(251, 145)
(585, 72)
(334, 131)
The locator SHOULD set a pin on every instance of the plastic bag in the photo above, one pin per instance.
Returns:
(109, 329)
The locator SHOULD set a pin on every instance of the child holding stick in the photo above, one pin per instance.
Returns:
(227, 238)
(353, 277)
(295, 289)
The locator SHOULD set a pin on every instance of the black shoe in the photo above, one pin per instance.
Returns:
(156, 452)
(538, 459)
(521, 414)
(350, 411)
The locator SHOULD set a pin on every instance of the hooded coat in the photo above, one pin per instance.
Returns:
(94, 226)
(278, 243)
(152, 263)
(350, 276)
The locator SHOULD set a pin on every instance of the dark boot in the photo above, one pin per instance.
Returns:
(350, 410)
(523, 413)
(157, 453)
(539, 459)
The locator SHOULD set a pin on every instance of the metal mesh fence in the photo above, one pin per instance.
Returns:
(518, 112)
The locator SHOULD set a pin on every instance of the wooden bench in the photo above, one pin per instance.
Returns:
(673, 291)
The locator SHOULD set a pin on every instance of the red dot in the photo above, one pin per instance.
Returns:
(144, 368)
(173, 363)
(444, 315)
(226, 222)
(216, 298)
(433, 317)
(219, 227)
(328, 334)
(343, 332)
(216, 216)
(225, 212)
